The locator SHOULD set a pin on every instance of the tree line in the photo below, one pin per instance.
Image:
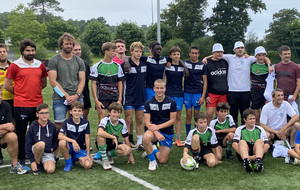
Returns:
(183, 24)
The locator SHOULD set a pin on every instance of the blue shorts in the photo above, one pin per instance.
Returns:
(191, 100)
(60, 110)
(179, 102)
(126, 107)
(168, 140)
(149, 93)
(76, 155)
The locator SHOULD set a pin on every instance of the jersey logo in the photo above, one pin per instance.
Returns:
(154, 107)
(199, 67)
(180, 69)
(281, 115)
(166, 106)
(133, 70)
(71, 128)
(108, 72)
(172, 68)
(162, 61)
(143, 69)
(82, 127)
(188, 65)
(257, 71)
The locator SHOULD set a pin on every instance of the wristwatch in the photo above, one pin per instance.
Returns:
(78, 94)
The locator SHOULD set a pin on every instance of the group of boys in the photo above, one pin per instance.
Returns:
(138, 85)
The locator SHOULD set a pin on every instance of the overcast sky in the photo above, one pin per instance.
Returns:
(139, 11)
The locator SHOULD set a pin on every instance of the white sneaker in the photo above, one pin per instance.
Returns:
(154, 146)
(144, 155)
(110, 159)
(287, 159)
(296, 162)
(152, 165)
(106, 165)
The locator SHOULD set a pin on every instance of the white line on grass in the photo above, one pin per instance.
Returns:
(132, 177)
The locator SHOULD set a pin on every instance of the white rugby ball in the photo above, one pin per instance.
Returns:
(190, 164)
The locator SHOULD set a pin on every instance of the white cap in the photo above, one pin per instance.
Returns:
(238, 44)
(260, 49)
(217, 47)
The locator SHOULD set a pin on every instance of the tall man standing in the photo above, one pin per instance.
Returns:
(121, 49)
(30, 77)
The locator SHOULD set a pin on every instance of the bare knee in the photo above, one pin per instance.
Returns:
(39, 145)
(163, 160)
(211, 162)
(11, 137)
(147, 137)
(50, 170)
(62, 144)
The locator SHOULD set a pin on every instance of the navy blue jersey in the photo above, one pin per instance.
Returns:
(155, 69)
(76, 131)
(217, 76)
(194, 83)
(134, 84)
(160, 112)
(174, 81)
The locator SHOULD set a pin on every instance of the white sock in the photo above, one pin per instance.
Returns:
(139, 139)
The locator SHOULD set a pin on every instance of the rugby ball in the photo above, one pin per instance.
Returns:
(190, 164)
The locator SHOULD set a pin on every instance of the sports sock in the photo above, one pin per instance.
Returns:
(113, 153)
(131, 138)
(102, 150)
(151, 156)
(229, 145)
(139, 139)
(68, 161)
(195, 154)
(177, 137)
(155, 151)
(187, 128)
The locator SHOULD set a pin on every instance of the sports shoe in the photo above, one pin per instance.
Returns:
(258, 166)
(91, 148)
(229, 154)
(287, 159)
(38, 171)
(56, 159)
(179, 143)
(17, 169)
(1, 156)
(68, 166)
(22, 162)
(197, 159)
(97, 156)
(106, 165)
(110, 159)
(140, 147)
(296, 162)
(154, 146)
(144, 155)
(152, 165)
(247, 165)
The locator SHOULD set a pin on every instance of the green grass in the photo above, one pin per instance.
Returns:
(228, 175)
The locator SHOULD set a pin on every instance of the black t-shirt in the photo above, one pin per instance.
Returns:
(5, 113)
(217, 76)
(86, 92)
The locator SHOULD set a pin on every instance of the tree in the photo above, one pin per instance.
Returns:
(129, 32)
(252, 42)
(279, 30)
(185, 19)
(23, 24)
(183, 45)
(166, 33)
(2, 40)
(204, 44)
(95, 35)
(56, 28)
(4, 20)
(85, 52)
(45, 7)
(230, 20)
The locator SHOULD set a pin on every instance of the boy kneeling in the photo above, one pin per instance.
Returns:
(41, 141)
(107, 137)
(295, 153)
(202, 141)
(74, 139)
(250, 142)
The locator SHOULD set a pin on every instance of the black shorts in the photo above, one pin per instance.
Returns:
(110, 145)
(220, 138)
(258, 99)
(11, 103)
(106, 103)
(3, 146)
(250, 152)
(87, 103)
(205, 150)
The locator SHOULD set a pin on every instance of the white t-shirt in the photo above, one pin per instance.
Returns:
(275, 118)
(238, 72)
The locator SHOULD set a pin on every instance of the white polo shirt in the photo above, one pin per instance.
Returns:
(275, 118)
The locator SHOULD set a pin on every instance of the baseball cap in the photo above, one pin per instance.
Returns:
(217, 47)
(238, 44)
(260, 49)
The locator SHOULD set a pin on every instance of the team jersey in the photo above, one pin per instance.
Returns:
(217, 76)
(117, 60)
(207, 138)
(194, 83)
(115, 130)
(174, 81)
(250, 135)
(76, 131)
(107, 76)
(259, 73)
(297, 141)
(155, 69)
(5, 94)
(28, 84)
(217, 125)
(160, 112)
(134, 84)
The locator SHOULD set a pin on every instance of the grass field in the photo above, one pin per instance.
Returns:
(228, 175)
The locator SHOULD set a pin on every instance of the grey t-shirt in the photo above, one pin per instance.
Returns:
(67, 73)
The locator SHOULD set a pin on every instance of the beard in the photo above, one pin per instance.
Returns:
(67, 50)
(2, 60)
(29, 57)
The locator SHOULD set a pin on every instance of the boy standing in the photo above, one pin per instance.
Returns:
(224, 127)
(174, 87)
(250, 142)
(74, 139)
(106, 77)
(194, 86)
(41, 141)
(107, 137)
(202, 141)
